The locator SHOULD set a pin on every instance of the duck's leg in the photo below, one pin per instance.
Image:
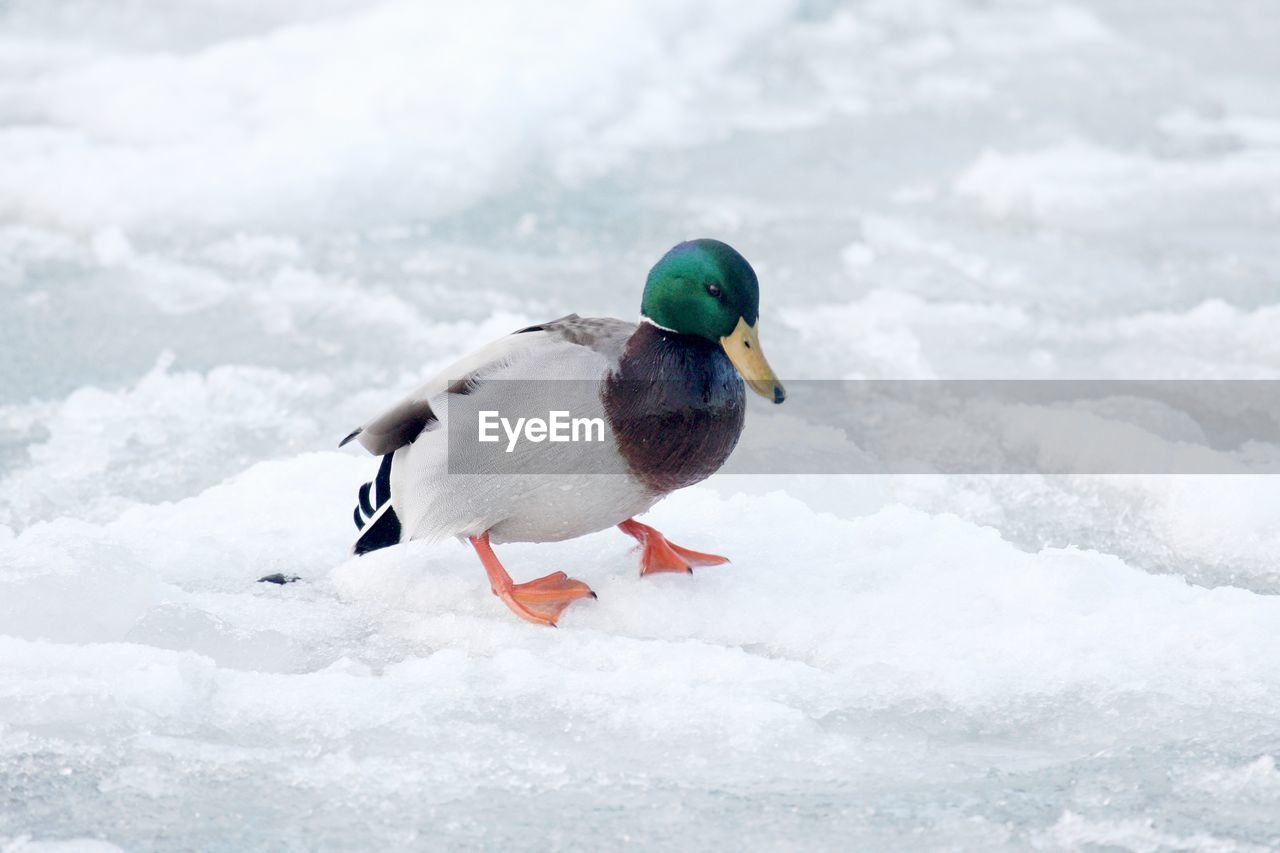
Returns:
(540, 601)
(659, 555)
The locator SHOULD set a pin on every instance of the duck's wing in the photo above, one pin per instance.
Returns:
(551, 350)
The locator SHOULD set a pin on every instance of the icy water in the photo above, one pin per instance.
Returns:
(231, 230)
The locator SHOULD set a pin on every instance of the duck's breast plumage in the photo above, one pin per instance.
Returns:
(677, 407)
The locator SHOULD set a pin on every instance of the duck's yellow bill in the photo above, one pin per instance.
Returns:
(742, 345)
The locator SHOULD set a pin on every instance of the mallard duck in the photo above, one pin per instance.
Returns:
(669, 390)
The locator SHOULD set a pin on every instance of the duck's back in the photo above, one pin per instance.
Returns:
(436, 481)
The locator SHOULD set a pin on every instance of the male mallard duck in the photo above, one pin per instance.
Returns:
(668, 394)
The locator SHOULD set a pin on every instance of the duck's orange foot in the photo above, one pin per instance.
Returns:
(543, 600)
(540, 601)
(659, 555)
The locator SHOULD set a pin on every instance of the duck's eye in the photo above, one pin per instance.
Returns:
(713, 290)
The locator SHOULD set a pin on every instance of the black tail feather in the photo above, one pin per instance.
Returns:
(383, 480)
(376, 518)
(382, 531)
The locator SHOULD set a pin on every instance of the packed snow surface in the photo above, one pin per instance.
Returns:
(230, 231)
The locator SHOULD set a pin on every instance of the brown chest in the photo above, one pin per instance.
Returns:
(676, 407)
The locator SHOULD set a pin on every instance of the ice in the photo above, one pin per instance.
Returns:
(25, 844)
(887, 650)
(1073, 177)
(230, 231)
(400, 111)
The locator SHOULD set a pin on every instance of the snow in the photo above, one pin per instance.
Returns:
(230, 231)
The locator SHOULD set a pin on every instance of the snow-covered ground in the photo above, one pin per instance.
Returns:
(232, 229)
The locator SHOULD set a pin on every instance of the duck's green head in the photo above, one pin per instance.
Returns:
(705, 288)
